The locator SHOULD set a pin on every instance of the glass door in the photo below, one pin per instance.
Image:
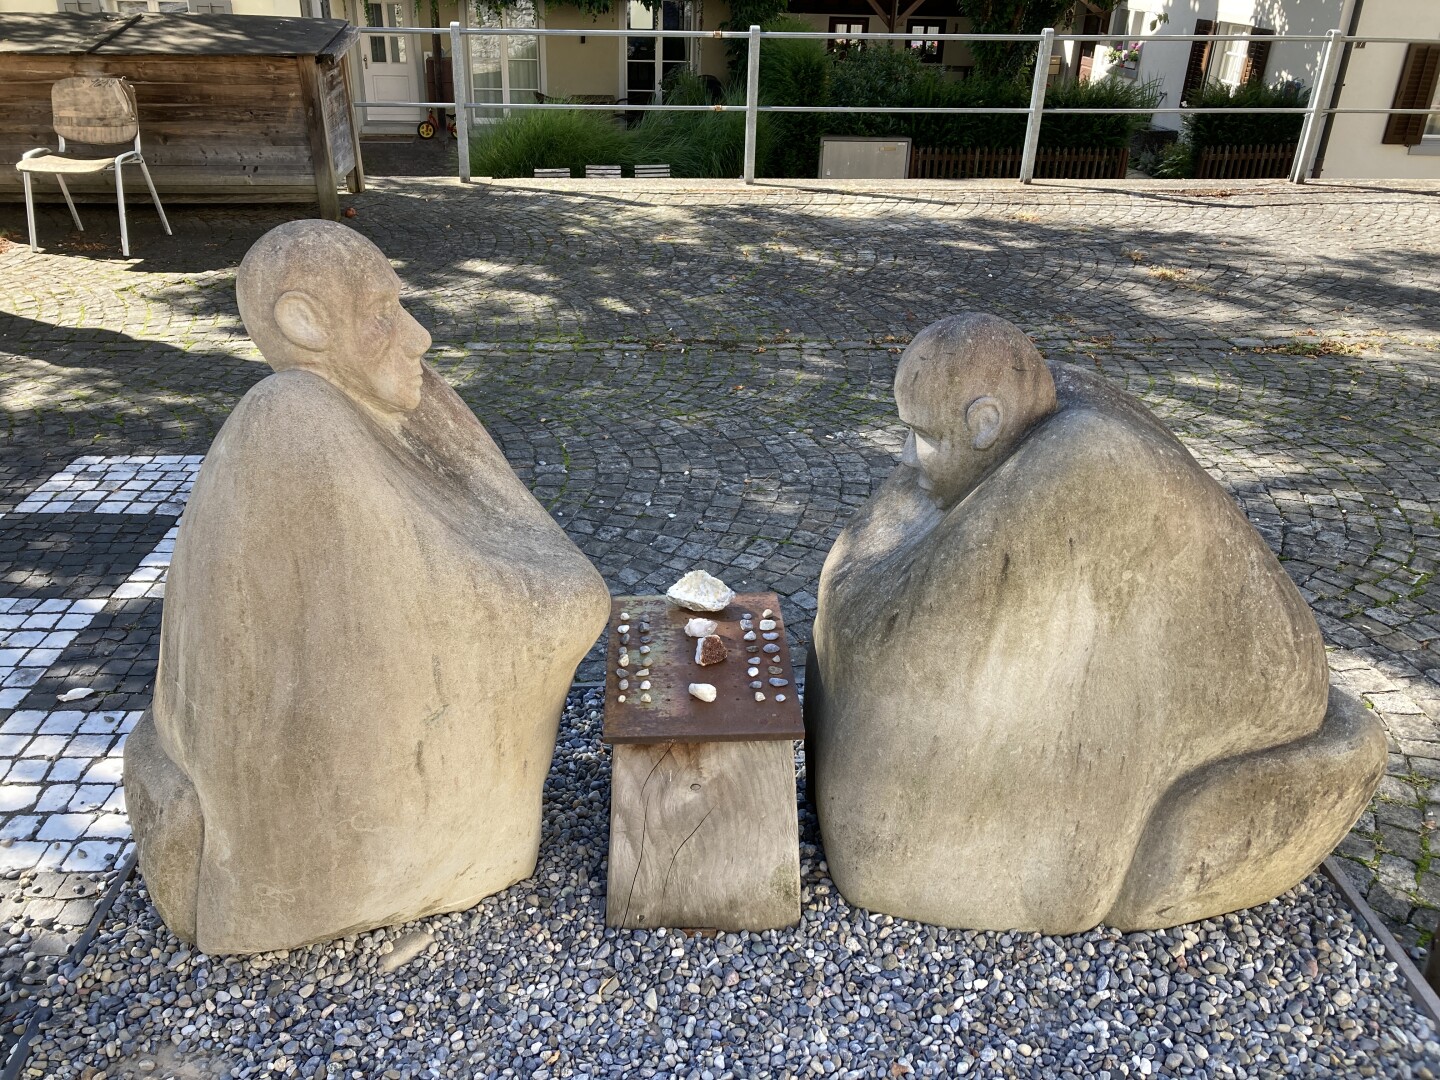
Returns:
(650, 59)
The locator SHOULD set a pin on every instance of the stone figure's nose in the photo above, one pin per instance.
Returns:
(417, 338)
(908, 456)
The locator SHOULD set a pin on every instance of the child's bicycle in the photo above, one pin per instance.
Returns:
(426, 128)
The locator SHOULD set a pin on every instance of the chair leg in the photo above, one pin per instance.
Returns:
(30, 210)
(155, 198)
(69, 202)
(120, 201)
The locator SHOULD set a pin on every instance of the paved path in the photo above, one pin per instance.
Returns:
(696, 373)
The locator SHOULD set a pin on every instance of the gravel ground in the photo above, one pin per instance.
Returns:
(532, 984)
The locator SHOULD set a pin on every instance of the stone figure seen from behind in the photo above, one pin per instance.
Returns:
(370, 626)
(1057, 679)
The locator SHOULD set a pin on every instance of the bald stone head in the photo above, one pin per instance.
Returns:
(969, 387)
(318, 296)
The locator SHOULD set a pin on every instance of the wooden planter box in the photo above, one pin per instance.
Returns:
(1245, 162)
(232, 107)
(1051, 163)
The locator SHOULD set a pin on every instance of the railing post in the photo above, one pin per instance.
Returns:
(458, 67)
(1315, 112)
(752, 100)
(1037, 104)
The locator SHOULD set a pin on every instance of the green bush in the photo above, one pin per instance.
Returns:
(1206, 130)
(1247, 129)
(1093, 129)
(898, 79)
(801, 72)
(791, 73)
(527, 140)
(694, 144)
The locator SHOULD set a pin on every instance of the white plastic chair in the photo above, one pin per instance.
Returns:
(98, 112)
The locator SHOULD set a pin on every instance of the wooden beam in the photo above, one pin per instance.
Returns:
(357, 174)
(914, 7)
(311, 93)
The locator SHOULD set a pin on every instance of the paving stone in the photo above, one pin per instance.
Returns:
(699, 374)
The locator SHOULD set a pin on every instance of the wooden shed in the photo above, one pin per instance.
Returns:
(233, 108)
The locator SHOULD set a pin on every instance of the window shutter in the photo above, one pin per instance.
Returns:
(1416, 90)
(1257, 55)
(1199, 60)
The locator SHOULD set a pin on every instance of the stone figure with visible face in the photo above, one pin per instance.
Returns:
(1057, 679)
(369, 630)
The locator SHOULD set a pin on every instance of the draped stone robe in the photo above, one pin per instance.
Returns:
(1086, 692)
(367, 640)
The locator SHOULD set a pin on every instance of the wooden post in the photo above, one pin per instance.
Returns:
(326, 182)
(704, 835)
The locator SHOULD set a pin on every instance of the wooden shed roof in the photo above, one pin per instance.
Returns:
(68, 33)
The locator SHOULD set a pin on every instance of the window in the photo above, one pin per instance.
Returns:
(928, 51)
(1418, 88)
(505, 68)
(841, 28)
(386, 15)
(1228, 61)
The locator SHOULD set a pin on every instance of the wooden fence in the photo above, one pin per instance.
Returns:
(1051, 163)
(1245, 162)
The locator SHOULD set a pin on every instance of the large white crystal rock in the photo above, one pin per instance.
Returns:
(698, 591)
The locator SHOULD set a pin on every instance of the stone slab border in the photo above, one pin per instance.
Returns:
(15, 1067)
(1426, 1000)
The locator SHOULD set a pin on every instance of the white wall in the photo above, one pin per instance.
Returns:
(1167, 60)
(1354, 149)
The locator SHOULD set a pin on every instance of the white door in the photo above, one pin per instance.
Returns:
(389, 62)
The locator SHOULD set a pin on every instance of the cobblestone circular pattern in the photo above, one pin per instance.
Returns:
(530, 983)
(724, 355)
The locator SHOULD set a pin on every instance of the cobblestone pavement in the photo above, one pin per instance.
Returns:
(693, 373)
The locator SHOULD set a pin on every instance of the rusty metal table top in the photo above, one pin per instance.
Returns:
(672, 714)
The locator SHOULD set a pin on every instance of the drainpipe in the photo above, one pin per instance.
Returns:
(1352, 8)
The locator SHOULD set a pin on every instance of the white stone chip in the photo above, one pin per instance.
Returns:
(698, 591)
(702, 690)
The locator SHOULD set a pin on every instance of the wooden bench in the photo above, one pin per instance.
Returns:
(704, 829)
(652, 172)
(552, 174)
(602, 172)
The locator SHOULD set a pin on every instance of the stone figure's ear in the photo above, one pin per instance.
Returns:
(984, 418)
(301, 322)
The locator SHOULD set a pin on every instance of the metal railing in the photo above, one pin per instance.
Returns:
(1314, 111)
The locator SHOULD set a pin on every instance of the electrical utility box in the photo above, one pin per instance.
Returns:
(849, 158)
